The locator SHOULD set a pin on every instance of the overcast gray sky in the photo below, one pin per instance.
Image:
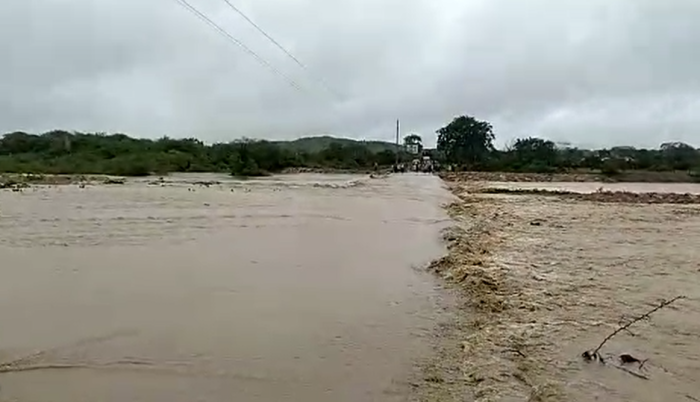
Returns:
(590, 72)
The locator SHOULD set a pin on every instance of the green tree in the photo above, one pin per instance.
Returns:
(466, 141)
(385, 157)
(243, 163)
(63, 152)
(413, 140)
(571, 157)
(680, 156)
(535, 154)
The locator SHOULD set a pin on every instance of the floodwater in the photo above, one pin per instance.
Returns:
(296, 288)
(589, 187)
(562, 276)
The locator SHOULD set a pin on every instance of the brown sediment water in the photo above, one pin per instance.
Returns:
(295, 288)
(588, 187)
(547, 278)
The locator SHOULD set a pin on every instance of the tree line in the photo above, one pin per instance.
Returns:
(62, 152)
(466, 143)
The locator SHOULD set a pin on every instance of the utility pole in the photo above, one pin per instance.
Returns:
(398, 149)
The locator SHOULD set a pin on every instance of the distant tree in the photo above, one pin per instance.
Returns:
(624, 152)
(680, 156)
(413, 140)
(466, 141)
(570, 157)
(63, 152)
(535, 153)
(385, 157)
(243, 162)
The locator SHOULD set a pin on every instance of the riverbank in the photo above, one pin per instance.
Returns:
(543, 279)
(632, 176)
(23, 180)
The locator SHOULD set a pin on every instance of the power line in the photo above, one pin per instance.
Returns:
(240, 44)
(276, 43)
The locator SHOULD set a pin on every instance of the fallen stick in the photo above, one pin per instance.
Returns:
(595, 354)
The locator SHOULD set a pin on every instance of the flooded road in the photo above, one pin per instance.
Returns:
(299, 288)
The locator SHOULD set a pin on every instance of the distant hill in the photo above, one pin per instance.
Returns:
(316, 144)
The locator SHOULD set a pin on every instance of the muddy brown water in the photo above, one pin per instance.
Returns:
(572, 279)
(589, 187)
(297, 288)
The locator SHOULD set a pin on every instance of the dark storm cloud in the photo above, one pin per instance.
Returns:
(593, 73)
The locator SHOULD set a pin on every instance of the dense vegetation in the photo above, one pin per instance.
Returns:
(467, 144)
(464, 144)
(62, 152)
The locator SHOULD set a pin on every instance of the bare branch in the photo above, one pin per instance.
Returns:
(634, 320)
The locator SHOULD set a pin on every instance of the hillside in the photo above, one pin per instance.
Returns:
(317, 144)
